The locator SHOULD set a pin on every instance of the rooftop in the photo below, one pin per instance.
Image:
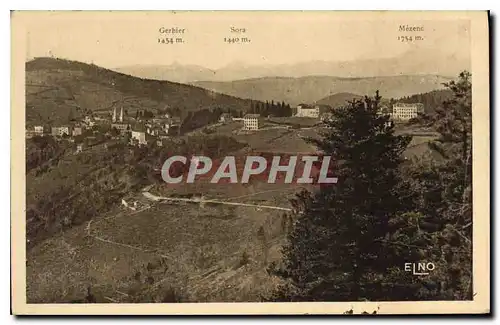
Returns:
(408, 104)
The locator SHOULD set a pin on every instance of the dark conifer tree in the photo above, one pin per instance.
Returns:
(443, 195)
(283, 109)
(257, 108)
(338, 250)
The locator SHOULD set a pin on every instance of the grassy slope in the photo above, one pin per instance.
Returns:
(202, 250)
(204, 245)
(56, 86)
(72, 189)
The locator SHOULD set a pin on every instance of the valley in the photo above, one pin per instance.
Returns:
(102, 226)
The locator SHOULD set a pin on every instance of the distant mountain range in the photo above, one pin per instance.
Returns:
(413, 62)
(314, 89)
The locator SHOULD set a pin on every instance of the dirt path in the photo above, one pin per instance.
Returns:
(199, 200)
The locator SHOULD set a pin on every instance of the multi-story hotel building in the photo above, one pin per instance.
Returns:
(251, 122)
(402, 111)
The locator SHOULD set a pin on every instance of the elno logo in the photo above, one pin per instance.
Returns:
(421, 268)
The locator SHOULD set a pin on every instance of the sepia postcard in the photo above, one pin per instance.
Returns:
(271, 163)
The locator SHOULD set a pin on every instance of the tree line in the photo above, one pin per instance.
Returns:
(278, 109)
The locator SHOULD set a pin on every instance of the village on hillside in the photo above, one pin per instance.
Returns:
(146, 128)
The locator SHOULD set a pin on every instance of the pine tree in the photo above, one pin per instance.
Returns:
(443, 197)
(338, 250)
(256, 109)
(283, 109)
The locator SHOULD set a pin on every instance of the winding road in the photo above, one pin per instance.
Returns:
(200, 200)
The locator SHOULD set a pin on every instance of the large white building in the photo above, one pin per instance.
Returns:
(402, 111)
(304, 110)
(251, 122)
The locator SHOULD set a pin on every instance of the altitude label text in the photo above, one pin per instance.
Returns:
(410, 33)
(237, 35)
(171, 35)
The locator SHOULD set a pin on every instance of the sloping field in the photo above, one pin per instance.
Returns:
(276, 140)
(214, 253)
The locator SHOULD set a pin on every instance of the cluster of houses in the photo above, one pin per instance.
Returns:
(252, 122)
(73, 130)
(158, 128)
(141, 132)
(144, 132)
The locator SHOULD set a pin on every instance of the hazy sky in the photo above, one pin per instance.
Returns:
(126, 38)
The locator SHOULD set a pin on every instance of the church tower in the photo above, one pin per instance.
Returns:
(114, 115)
(121, 114)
